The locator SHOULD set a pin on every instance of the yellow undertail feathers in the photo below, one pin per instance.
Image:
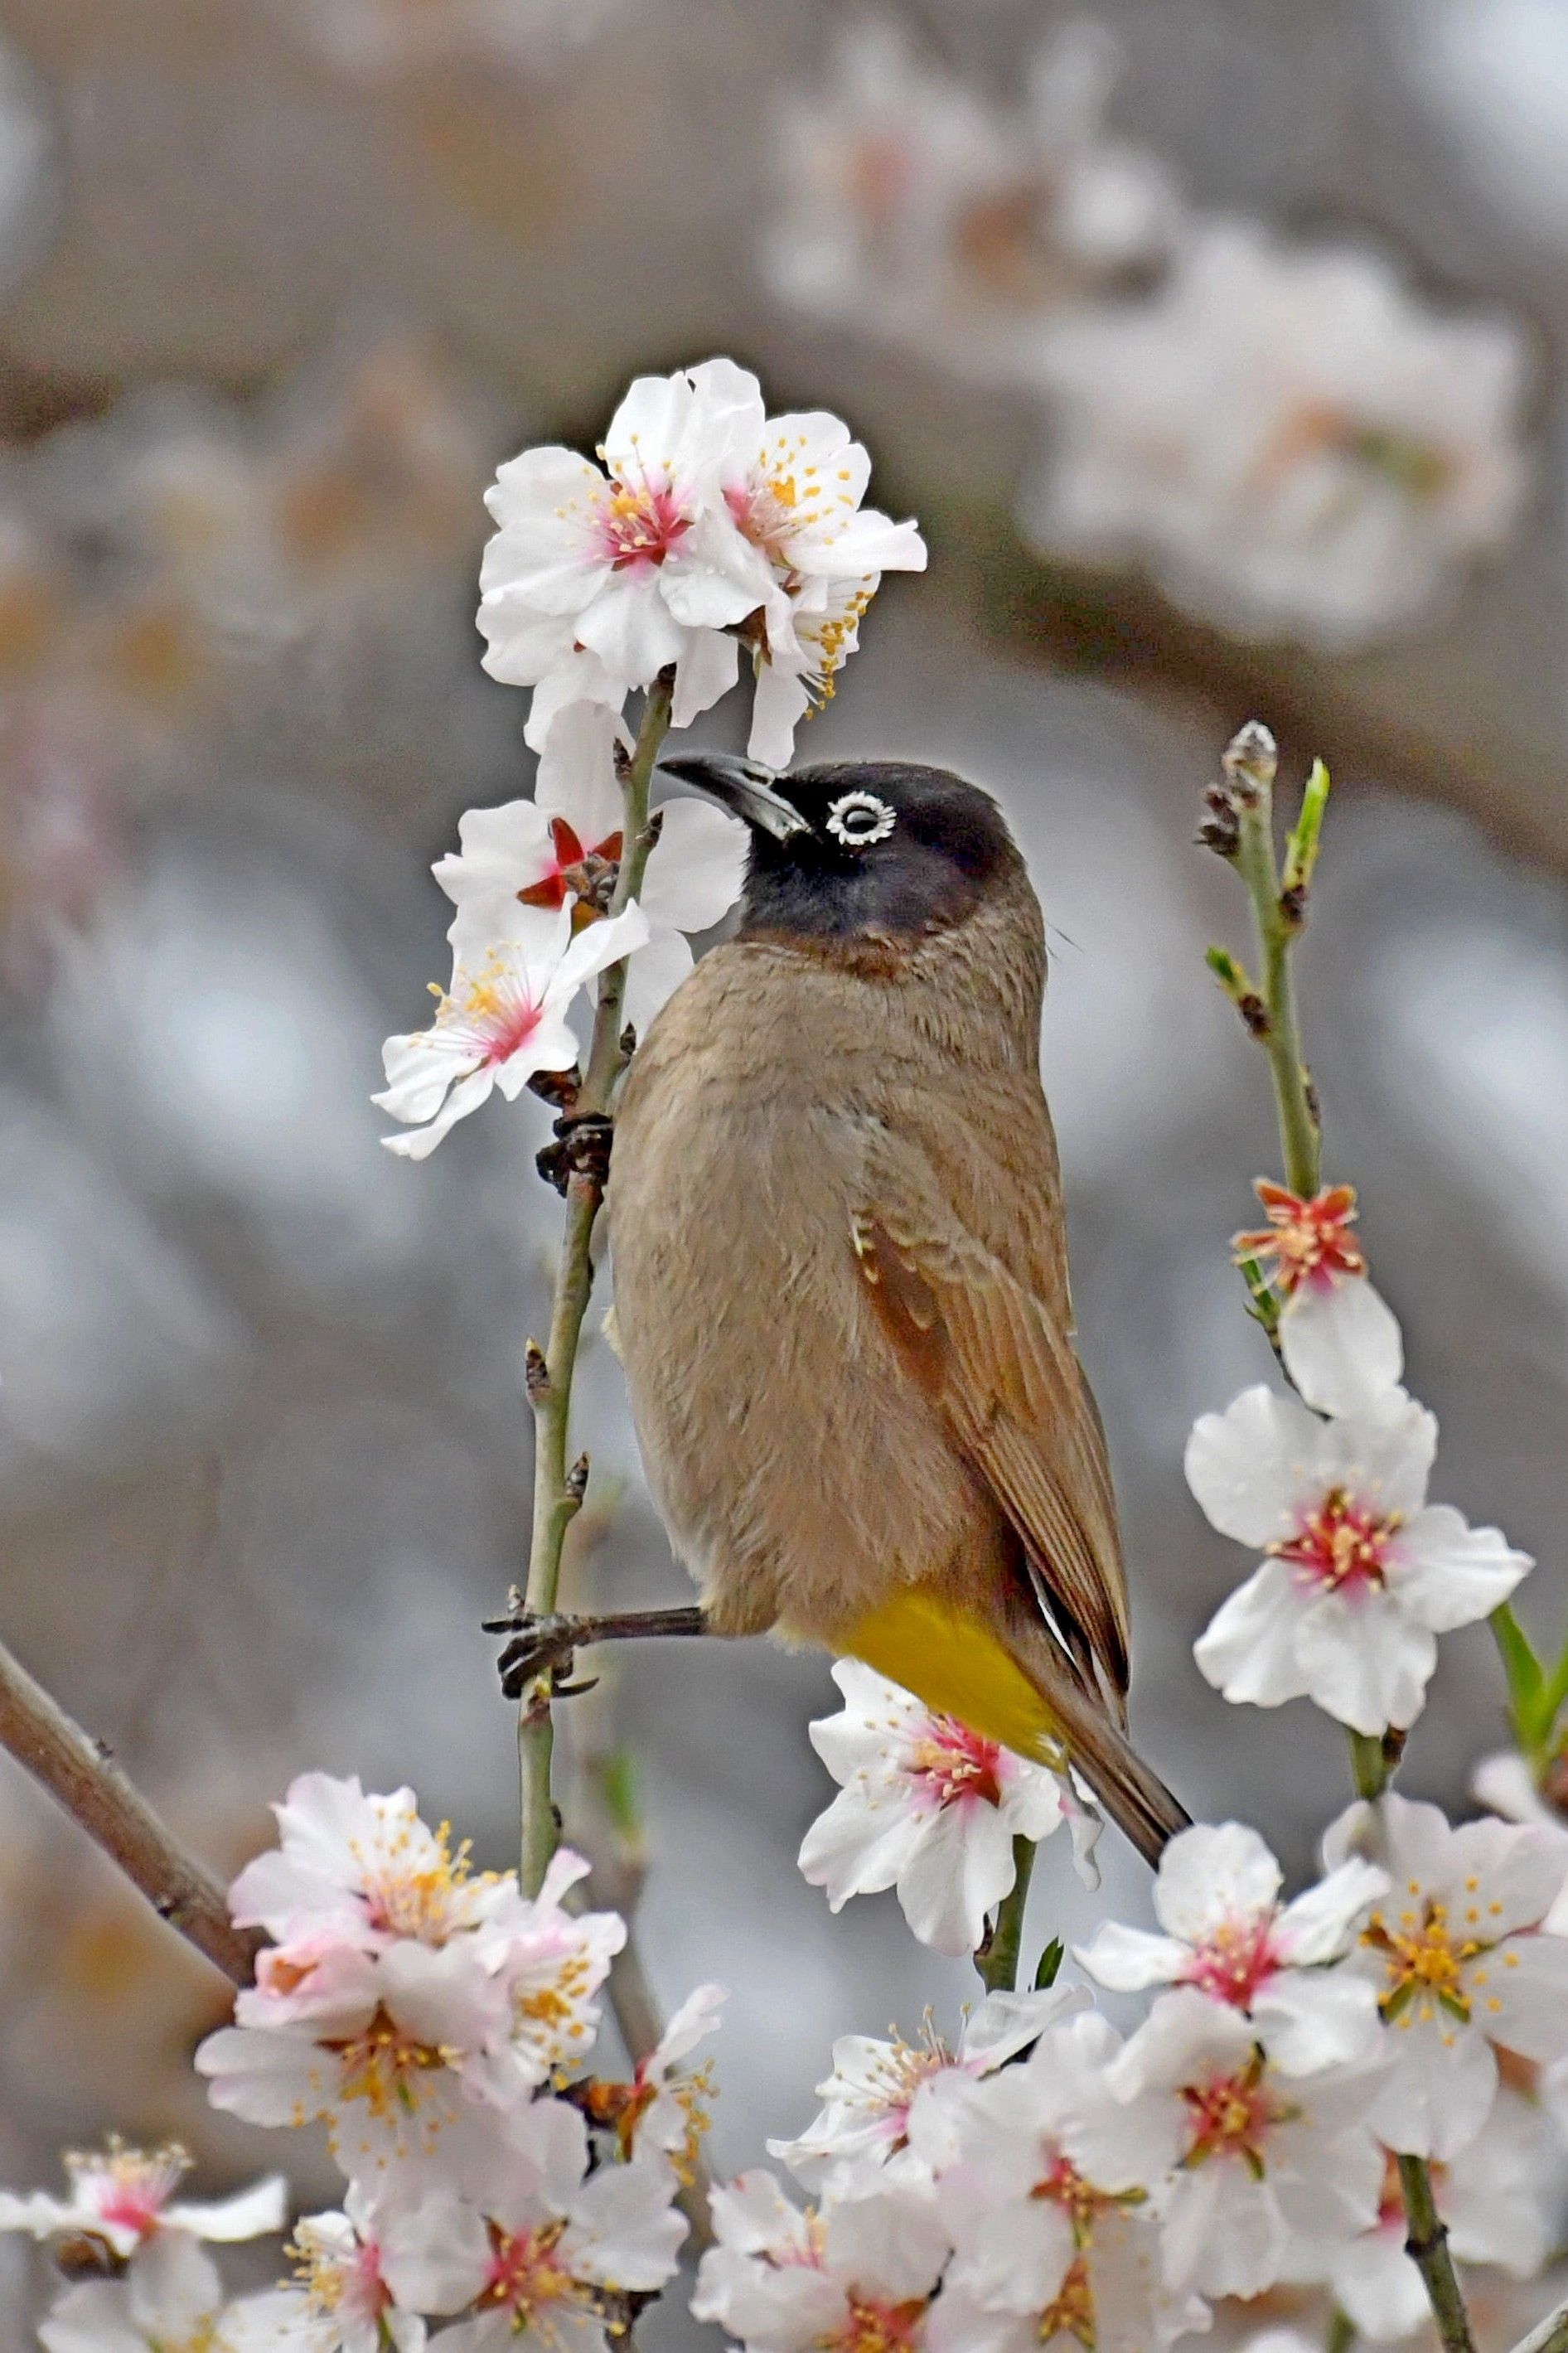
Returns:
(959, 1667)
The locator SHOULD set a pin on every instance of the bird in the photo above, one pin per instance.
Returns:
(841, 1279)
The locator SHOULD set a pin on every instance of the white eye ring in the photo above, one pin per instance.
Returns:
(860, 818)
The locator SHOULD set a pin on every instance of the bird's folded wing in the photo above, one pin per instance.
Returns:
(1005, 1378)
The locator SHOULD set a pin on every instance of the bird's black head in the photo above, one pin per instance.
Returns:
(856, 847)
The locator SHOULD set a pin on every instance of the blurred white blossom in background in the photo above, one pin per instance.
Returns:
(1290, 441)
(954, 225)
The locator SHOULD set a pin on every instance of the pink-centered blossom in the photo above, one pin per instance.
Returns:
(338, 2302)
(929, 1807)
(1340, 1341)
(1216, 1898)
(563, 847)
(636, 554)
(502, 1020)
(869, 2099)
(1362, 1574)
(1460, 1961)
(534, 2251)
(1257, 2153)
(855, 2275)
(127, 2196)
(1043, 2177)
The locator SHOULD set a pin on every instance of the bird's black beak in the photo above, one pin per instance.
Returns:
(743, 786)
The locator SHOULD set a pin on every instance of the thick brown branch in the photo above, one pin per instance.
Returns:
(81, 1775)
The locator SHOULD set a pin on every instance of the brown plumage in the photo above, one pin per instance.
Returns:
(841, 1279)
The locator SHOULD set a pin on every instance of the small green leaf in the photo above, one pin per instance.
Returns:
(1301, 849)
(1050, 1963)
(1530, 1701)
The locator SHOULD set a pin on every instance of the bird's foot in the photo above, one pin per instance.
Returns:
(582, 1148)
(540, 1646)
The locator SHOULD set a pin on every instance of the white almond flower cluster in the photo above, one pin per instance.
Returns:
(704, 528)
(1284, 436)
(437, 2023)
(1041, 2181)
(1359, 1573)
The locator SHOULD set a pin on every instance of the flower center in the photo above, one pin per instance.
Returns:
(338, 2281)
(1426, 1965)
(1063, 2185)
(525, 2276)
(1309, 1241)
(638, 523)
(1342, 1544)
(1233, 2117)
(130, 2188)
(489, 1012)
(872, 2326)
(383, 2065)
(426, 1900)
(1237, 1958)
(949, 1762)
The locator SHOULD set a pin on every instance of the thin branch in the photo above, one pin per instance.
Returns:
(1251, 767)
(996, 1956)
(1427, 2248)
(557, 1489)
(81, 1775)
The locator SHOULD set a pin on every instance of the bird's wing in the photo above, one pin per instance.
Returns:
(1001, 1369)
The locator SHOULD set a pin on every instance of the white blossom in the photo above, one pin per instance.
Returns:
(366, 1870)
(1043, 2178)
(1361, 1572)
(1342, 1345)
(541, 2246)
(561, 847)
(872, 2089)
(126, 2196)
(918, 211)
(1257, 2154)
(1216, 1897)
(636, 555)
(169, 2301)
(852, 2276)
(1460, 1963)
(665, 2110)
(339, 2302)
(1500, 2198)
(424, 2049)
(927, 1807)
(503, 1018)
(1292, 444)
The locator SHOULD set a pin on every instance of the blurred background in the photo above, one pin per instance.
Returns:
(1219, 346)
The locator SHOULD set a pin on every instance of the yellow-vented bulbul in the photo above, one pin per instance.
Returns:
(841, 1281)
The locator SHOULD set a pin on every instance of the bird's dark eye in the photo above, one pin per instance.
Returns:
(860, 818)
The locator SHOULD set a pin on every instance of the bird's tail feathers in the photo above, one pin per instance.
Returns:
(961, 1666)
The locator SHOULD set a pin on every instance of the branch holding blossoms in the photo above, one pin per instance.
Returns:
(82, 1774)
(558, 1491)
(1362, 1573)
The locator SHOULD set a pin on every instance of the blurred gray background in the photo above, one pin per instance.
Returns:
(280, 283)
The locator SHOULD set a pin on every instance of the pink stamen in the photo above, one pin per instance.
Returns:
(639, 525)
(1239, 1957)
(950, 1762)
(1340, 1546)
